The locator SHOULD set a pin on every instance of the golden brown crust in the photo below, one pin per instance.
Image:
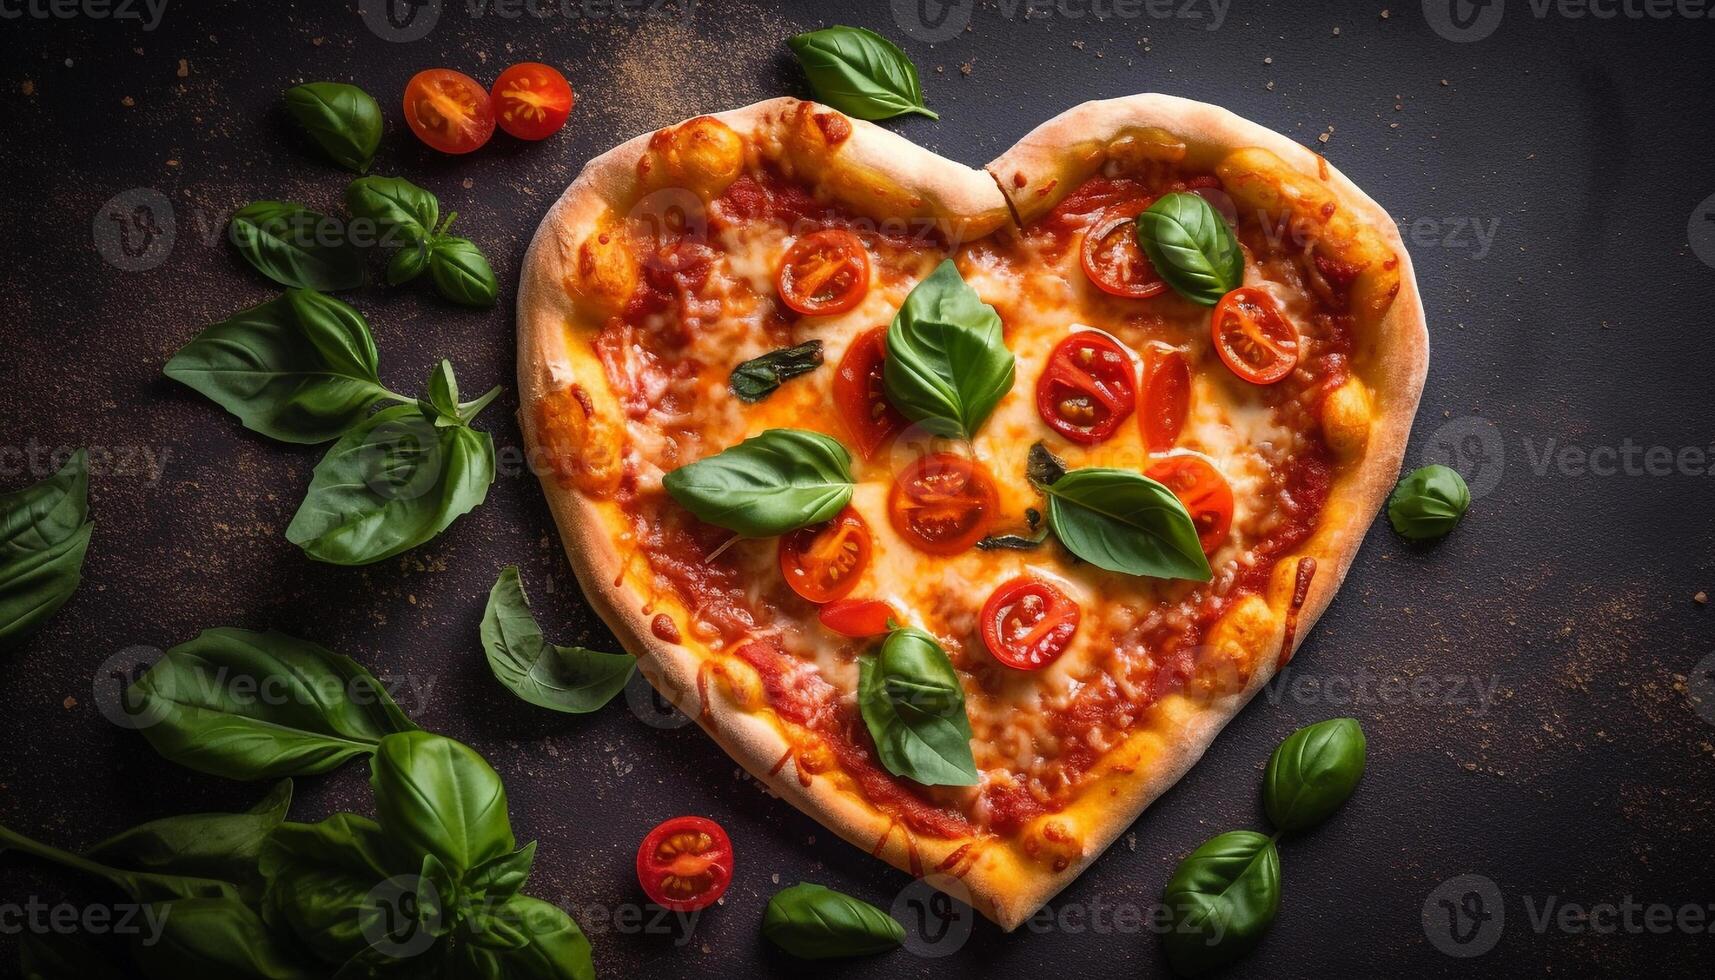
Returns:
(881, 175)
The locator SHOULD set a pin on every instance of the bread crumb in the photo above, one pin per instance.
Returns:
(1269, 86)
(128, 102)
(184, 68)
(1336, 32)
(1268, 61)
(966, 68)
(1701, 598)
(27, 87)
(1384, 13)
(70, 702)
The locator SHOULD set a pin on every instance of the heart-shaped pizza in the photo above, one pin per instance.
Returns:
(964, 507)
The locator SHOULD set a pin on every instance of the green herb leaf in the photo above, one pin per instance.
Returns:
(1042, 467)
(295, 246)
(219, 846)
(1125, 522)
(947, 363)
(814, 922)
(141, 885)
(343, 120)
(914, 707)
(44, 535)
(1013, 542)
(860, 73)
(403, 212)
(218, 937)
(554, 948)
(1191, 247)
(461, 273)
(779, 481)
(249, 705)
(320, 878)
(301, 368)
(438, 797)
(1428, 503)
(408, 263)
(1312, 773)
(441, 405)
(1221, 900)
(757, 378)
(569, 679)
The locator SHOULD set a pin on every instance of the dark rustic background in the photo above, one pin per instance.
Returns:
(1551, 179)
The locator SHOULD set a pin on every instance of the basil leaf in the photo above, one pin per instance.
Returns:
(1043, 468)
(1221, 900)
(947, 363)
(814, 922)
(403, 212)
(217, 937)
(301, 368)
(569, 679)
(1428, 503)
(757, 378)
(44, 535)
(408, 263)
(859, 72)
(438, 797)
(220, 846)
(390, 484)
(914, 707)
(442, 402)
(779, 481)
(554, 947)
(1312, 773)
(320, 878)
(1013, 542)
(499, 878)
(1125, 522)
(461, 273)
(1191, 247)
(142, 886)
(295, 246)
(260, 705)
(343, 120)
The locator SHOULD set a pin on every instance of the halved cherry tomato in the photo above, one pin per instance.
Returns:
(823, 562)
(857, 617)
(448, 110)
(1166, 397)
(1204, 492)
(1252, 337)
(1028, 623)
(942, 503)
(532, 100)
(1088, 387)
(861, 395)
(1114, 260)
(824, 273)
(685, 864)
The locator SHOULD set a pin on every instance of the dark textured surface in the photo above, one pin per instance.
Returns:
(1582, 143)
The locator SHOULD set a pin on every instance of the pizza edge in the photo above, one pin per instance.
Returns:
(1005, 880)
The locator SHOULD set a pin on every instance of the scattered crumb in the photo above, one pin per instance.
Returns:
(940, 69)
(1078, 44)
(1384, 13)
(184, 68)
(318, 41)
(27, 87)
(1269, 86)
(1336, 32)
(1321, 137)
(1701, 598)
(1131, 842)
(966, 68)
(70, 702)
(1444, 81)
(774, 878)
(128, 102)
(467, 183)
(1268, 60)
(172, 163)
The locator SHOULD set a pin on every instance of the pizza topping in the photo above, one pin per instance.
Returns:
(1166, 397)
(1113, 259)
(857, 618)
(685, 864)
(942, 503)
(1253, 338)
(1088, 388)
(824, 273)
(1205, 493)
(947, 364)
(1125, 522)
(914, 707)
(1027, 623)
(449, 110)
(532, 100)
(860, 395)
(779, 481)
(823, 562)
(1191, 247)
(757, 378)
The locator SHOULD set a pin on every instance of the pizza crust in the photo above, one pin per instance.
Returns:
(881, 175)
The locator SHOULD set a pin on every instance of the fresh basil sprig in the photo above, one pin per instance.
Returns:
(759, 377)
(1312, 773)
(860, 73)
(914, 707)
(44, 536)
(1221, 900)
(778, 481)
(402, 211)
(295, 246)
(947, 364)
(814, 922)
(569, 679)
(1192, 247)
(1125, 522)
(409, 216)
(1428, 503)
(461, 272)
(343, 120)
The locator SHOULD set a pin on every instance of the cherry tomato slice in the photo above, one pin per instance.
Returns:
(1204, 492)
(942, 503)
(532, 100)
(685, 864)
(1253, 338)
(823, 562)
(857, 617)
(861, 396)
(1166, 397)
(448, 110)
(1114, 260)
(1028, 623)
(824, 273)
(1088, 387)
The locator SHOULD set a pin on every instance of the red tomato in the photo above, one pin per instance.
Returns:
(1166, 397)
(1028, 623)
(1252, 337)
(1114, 260)
(861, 396)
(857, 617)
(824, 273)
(1088, 387)
(532, 100)
(942, 503)
(448, 110)
(1204, 492)
(685, 864)
(822, 562)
